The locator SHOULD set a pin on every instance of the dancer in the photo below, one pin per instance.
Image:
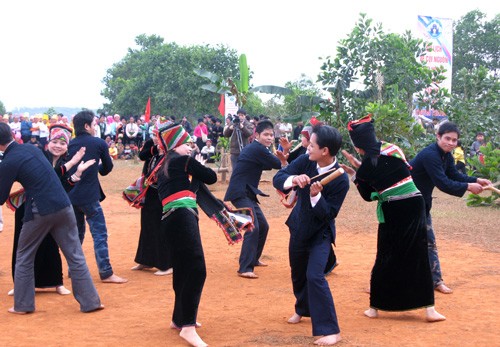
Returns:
(48, 210)
(180, 222)
(48, 265)
(153, 249)
(312, 230)
(243, 190)
(401, 278)
(86, 195)
(434, 167)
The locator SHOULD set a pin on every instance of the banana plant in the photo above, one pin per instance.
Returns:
(229, 85)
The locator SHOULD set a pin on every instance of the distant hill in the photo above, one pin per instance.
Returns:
(67, 111)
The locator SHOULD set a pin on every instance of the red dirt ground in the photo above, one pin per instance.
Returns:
(241, 312)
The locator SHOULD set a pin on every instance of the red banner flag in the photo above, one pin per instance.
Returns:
(147, 113)
(222, 105)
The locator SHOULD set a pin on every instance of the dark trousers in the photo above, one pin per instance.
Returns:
(253, 241)
(312, 293)
(188, 261)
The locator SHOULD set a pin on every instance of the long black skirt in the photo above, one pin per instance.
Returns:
(153, 249)
(401, 277)
(48, 264)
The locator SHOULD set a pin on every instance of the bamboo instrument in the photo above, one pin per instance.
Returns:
(332, 176)
(493, 189)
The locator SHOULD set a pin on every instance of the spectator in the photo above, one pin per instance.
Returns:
(239, 131)
(208, 151)
(475, 148)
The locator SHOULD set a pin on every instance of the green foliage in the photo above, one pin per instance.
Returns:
(387, 71)
(475, 44)
(164, 72)
(488, 167)
(475, 105)
(50, 111)
(2, 108)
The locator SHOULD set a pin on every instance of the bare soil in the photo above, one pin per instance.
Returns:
(241, 312)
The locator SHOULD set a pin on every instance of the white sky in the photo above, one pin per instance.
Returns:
(56, 52)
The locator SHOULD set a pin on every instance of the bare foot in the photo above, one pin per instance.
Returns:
(431, 315)
(294, 319)
(442, 288)
(62, 290)
(174, 326)
(259, 263)
(12, 310)
(247, 275)
(114, 279)
(191, 336)
(11, 292)
(163, 273)
(328, 340)
(371, 313)
(140, 267)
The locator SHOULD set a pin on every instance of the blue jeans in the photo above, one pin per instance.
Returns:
(437, 277)
(97, 225)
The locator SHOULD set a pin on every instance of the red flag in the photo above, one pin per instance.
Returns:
(222, 105)
(147, 113)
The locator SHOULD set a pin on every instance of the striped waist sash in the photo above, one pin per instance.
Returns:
(403, 189)
(184, 198)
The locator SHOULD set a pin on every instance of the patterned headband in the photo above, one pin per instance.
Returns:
(172, 136)
(61, 132)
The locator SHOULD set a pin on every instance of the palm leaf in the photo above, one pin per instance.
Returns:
(272, 90)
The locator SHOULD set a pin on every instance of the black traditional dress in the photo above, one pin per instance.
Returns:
(180, 222)
(153, 249)
(401, 277)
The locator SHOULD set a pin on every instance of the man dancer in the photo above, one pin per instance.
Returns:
(86, 195)
(312, 230)
(48, 210)
(243, 190)
(434, 166)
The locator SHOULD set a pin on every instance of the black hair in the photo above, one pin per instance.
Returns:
(448, 127)
(263, 125)
(81, 119)
(242, 111)
(329, 137)
(5, 134)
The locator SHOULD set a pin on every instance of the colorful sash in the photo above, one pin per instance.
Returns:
(404, 189)
(391, 150)
(184, 198)
(16, 199)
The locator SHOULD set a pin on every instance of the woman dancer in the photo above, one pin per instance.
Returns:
(153, 249)
(401, 279)
(48, 265)
(180, 210)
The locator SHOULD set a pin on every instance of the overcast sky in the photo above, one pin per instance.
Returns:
(56, 53)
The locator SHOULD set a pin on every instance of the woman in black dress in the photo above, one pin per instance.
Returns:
(153, 249)
(401, 279)
(180, 221)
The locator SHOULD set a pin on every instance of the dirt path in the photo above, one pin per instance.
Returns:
(239, 312)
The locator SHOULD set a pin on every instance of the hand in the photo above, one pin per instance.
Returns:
(474, 188)
(78, 156)
(316, 188)
(287, 145)
(484, 182)
(199, 158)
(349, 170)
(84, 165)
(354, 161)
(301, 180)
(281, 157)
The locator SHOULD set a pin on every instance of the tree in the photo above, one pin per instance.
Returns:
(475, 44)
(2, 108)
(164, 72)
(379, 73)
